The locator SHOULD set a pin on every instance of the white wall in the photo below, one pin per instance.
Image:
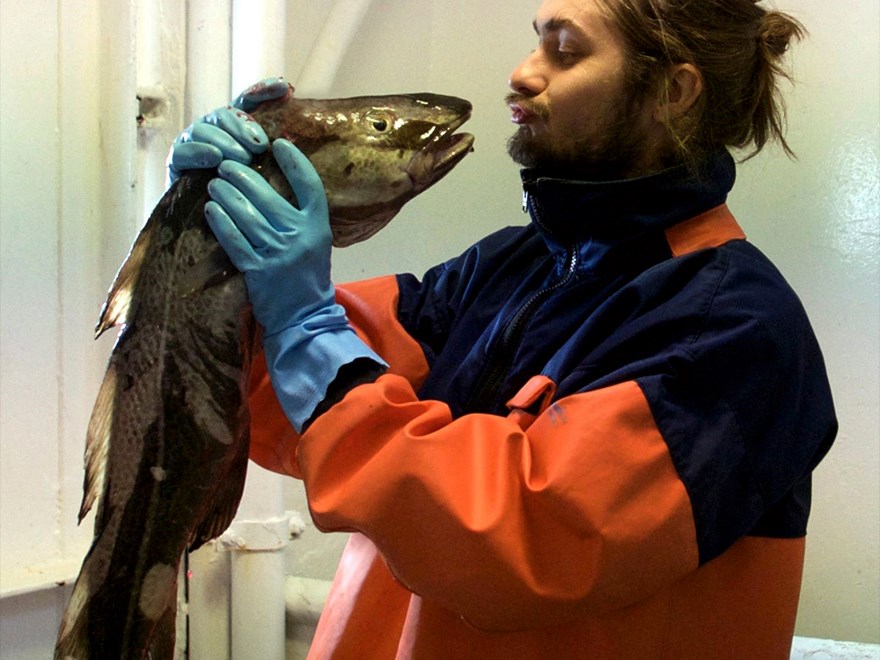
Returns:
(51, 230)
(66, 105)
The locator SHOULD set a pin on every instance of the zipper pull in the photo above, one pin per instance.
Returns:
(525, 201)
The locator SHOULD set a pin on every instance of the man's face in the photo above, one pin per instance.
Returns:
(569, 97)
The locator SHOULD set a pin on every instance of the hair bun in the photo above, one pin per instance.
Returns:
(776, 31)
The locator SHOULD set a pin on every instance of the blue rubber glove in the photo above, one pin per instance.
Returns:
(226, 133)
(284, 253)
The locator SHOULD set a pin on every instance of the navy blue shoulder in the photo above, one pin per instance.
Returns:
(743, 403)
(430, 306)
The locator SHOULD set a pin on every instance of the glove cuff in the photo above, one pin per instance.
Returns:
(305, 358)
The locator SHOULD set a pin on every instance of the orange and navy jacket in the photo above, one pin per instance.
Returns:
(594, 440)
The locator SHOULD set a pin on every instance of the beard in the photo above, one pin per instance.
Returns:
(615, 151)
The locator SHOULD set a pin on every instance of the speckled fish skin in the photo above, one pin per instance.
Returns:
(167, 446)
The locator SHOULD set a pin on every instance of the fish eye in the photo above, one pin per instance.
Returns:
(380, 121)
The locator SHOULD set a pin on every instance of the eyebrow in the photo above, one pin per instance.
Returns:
(556, 24)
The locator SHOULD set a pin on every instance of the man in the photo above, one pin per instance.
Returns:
(591, 437)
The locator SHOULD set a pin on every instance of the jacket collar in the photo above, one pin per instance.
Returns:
(570, 213)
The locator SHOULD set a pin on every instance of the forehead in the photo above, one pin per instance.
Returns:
(586, 16)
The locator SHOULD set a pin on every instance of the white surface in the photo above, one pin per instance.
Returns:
(806, 648)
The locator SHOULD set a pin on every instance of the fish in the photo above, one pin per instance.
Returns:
(167, 442)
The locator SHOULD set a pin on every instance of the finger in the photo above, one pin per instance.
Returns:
(251, 224)
(265, 90)
(301, 175)
(194, 156)
(228, 146)
(241, 126)
(265, 199)
(240, 251)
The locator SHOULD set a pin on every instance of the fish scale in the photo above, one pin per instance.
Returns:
(167, 443)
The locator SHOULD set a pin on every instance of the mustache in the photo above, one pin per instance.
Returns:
(538, 109)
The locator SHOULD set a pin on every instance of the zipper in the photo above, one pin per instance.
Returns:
(487, 393)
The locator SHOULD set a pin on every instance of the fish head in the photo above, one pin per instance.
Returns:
(373, 153)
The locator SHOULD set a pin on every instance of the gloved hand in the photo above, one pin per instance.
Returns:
(284, 253)
(226, 133)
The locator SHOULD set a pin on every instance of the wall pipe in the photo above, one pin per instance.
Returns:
(161, 66)
(319, 72)
(259, 533)
(262, 528)
(208, 72)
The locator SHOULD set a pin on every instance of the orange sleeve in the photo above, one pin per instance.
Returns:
(371, 307)
(513, 521)
(272, 437)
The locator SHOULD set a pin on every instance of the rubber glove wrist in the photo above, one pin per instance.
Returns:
(283, 251)
(226, 133)
(304, 359)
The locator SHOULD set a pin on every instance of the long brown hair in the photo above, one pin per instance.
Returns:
(737, 46)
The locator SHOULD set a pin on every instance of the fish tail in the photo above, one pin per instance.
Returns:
(164, 637)
(73, 638)
(108, 617)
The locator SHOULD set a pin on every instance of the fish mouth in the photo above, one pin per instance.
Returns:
(441, 154)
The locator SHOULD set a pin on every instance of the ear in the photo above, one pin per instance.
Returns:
(684, 84)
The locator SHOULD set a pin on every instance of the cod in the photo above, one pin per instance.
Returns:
(167, 443)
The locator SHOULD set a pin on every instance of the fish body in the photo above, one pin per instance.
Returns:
(167, 445)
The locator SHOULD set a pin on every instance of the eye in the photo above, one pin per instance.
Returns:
(566, 49)
(380, 121)
(567, 56)
(565, 52)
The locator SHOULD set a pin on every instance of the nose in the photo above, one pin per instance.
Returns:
(527, 78)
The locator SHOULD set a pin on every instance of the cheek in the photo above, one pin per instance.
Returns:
(587, 99)
(581, 115)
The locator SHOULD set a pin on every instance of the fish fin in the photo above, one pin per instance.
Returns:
(211, 270)
(117, 308)
(98, 442)
(220, 516)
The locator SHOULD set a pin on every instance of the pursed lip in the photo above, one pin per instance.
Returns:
(520, 114)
